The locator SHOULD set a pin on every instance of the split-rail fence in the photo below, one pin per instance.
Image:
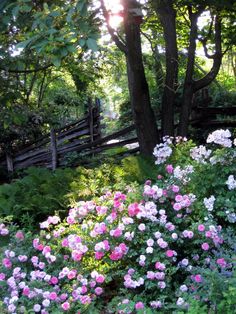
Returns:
(83, 136)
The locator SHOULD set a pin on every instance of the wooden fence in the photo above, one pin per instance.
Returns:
(83, 136)
(205, 117)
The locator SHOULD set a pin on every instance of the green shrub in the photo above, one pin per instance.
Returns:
(41, 192)
(33, 197)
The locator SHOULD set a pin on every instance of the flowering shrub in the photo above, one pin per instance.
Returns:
(143, 252)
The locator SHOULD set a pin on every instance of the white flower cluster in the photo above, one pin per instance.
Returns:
(200, 154)
(183, 174)
(148, 211)
(153, 191)
(231, 216)
(209, 202)
(3, 230)
(221, 137)
(218, 159)
(163, 150)
(231, 182)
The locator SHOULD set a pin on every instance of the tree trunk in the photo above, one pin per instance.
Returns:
(167, 16)
(144, 118)
(157, 67)
(188, 82)
(142, 112)
(185, 110)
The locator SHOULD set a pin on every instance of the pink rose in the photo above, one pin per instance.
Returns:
(178, 198)
(139, 306)
(201, 228)
(198, 278)
(177, 206)
(169, 169)
(175, 188)
(71, 274)
(100, 278)
(53, 296)
(205, 246)
(54, 280)
(20, 235)
(169, 253)
(221, 262)
(65, 306)
(98, 291)
(2, 276)
(99, 255)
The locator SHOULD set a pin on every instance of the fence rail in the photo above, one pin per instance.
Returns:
(213, 117)
(205, 116)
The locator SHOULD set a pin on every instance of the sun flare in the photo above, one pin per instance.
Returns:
(114, 7)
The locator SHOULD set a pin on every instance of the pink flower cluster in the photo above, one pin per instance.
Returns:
(118, 252)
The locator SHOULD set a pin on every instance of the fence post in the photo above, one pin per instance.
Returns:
(10, 165)
(98, 121)
(90, 109)
(53, 148)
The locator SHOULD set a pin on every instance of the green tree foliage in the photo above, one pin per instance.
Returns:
(36, 37)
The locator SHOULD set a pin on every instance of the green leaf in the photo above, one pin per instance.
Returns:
(69, 15)
(25, 8)
(23, 44)
(82, 42)
(71, 48)
(56, 61)
(45, 6)
(55, 13)
(5, 125)
(63, 52)
(15, 11)
(80, 5)
(92, 44)
(6, 19)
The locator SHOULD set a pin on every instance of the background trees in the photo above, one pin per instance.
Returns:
(53, 54)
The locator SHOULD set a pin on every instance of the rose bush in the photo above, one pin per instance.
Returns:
(149, 250)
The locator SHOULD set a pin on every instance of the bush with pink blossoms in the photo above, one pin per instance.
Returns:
(132, 252)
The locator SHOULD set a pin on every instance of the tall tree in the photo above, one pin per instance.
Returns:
(138, 87)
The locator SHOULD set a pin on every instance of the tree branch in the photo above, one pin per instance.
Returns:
(120, 44)
(217, 58)
(205, 39)
(149, 40)
(41, 88)
(26, 71)
(206, 50)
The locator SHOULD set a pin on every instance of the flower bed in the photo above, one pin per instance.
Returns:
(167, 247)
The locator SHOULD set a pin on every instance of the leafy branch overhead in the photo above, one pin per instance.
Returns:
(53, 30)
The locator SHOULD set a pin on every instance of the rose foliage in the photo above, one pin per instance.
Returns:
(160, 249)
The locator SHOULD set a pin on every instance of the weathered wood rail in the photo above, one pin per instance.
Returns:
(83, 136)
(214, 117)
(206, 117)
